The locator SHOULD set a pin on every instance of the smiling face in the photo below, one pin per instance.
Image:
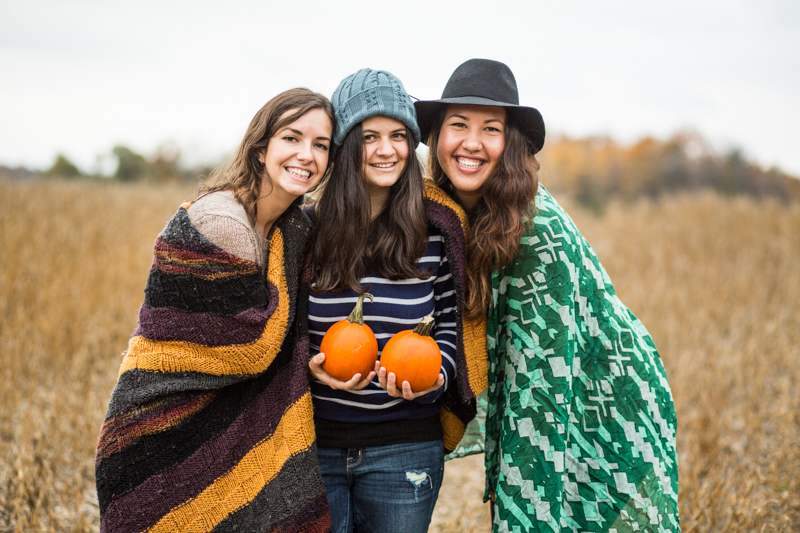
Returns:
(471, 143)
(385, 152)
(297, 155)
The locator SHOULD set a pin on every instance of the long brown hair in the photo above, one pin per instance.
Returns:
(501, 215)
(244, 172)
(347, 243)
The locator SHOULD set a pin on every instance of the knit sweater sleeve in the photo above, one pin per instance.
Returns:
(223, 221)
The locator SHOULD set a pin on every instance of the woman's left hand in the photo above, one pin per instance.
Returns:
(355, 383)
(389, 384)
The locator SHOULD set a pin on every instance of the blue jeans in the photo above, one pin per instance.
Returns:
(384, 489)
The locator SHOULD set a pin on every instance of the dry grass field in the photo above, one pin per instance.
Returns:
(716, 281)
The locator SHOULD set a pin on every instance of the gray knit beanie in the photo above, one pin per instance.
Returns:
(368, 93)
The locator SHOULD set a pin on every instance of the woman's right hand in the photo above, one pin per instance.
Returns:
(389, 383)
(354, 383)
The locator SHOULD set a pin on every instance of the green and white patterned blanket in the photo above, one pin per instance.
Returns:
(580, 424)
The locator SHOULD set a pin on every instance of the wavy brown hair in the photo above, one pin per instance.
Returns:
(347, 243)
(500, 217)
(244, 173)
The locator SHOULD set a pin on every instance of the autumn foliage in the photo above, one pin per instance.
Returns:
(596, 169)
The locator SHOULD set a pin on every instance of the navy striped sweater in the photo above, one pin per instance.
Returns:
(399, 305)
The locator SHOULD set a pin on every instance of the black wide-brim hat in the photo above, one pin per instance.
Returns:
(483, 82)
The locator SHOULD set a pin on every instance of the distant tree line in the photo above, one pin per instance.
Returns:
(596, 169)
(164, 166)
(593, 170)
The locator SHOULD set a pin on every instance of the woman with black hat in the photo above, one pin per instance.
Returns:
(580, 426)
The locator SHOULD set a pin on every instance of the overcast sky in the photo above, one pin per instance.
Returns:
(80, 76)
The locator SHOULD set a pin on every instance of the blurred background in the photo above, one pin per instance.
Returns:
(98, 83)
(672, 135)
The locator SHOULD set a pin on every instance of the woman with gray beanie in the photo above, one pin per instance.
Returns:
(377, 227)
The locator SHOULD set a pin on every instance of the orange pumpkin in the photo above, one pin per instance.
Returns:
(413, 356)
(350, 346)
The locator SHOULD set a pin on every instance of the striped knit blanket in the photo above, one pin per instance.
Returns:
(210, 426)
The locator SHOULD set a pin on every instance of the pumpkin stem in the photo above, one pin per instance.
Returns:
(424, 326)
(357, 315)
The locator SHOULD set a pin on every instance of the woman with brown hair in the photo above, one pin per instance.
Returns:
(381, 445)
(209, 426)
(580, 426)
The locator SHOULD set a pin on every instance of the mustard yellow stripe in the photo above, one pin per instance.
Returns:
(183, 356)
(476, 354)
(237, 488)
(452, 427)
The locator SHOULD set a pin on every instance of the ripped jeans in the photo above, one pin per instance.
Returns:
(382, 489)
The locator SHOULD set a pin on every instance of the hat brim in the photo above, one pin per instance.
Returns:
(528, 119)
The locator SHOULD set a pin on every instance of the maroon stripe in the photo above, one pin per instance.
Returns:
(117, 433)
(203, 259)
(207, 329)
(145, 505)
(445, 218)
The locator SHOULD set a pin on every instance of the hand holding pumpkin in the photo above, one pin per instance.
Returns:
(389, 383)
(315, 366)
(349, 346)
(413, 359)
